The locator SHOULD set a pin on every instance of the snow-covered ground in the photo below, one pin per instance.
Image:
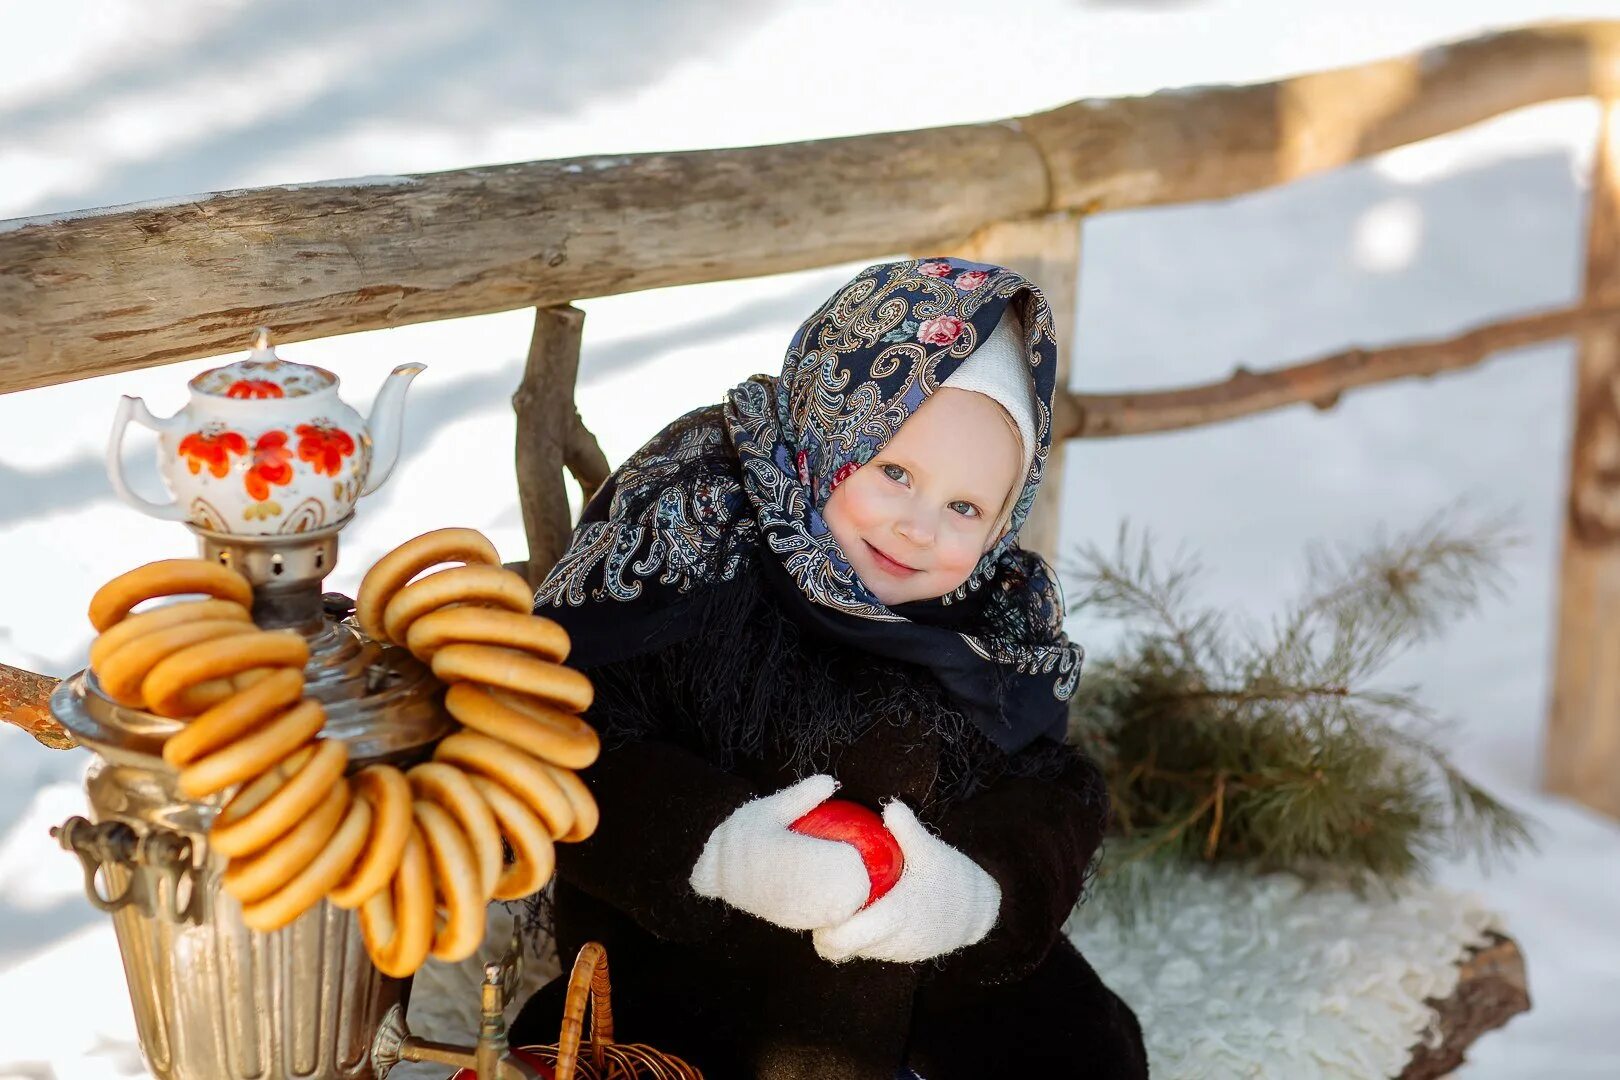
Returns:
(126, 100)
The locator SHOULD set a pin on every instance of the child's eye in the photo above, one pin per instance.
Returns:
(966, 509)
(891, 470)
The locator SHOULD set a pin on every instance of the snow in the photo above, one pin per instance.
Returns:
(131, 101)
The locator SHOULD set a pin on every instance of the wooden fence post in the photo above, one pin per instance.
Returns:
(551, 437)
(1046, 250)
(1583, 729)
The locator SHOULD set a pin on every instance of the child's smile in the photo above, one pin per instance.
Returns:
(914, 521)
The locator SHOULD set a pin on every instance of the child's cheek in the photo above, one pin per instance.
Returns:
(862, 507)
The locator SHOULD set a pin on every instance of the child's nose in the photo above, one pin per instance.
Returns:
(916, 528)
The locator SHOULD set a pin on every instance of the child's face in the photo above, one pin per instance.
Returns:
(914, 520)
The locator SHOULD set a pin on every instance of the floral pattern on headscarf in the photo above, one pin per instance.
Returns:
(748, 480)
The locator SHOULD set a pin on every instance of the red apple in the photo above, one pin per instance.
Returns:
(840, 819)
(529, 1058)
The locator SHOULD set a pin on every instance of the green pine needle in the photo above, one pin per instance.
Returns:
(1262, 745)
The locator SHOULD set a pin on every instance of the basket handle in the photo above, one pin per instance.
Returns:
(588, 980)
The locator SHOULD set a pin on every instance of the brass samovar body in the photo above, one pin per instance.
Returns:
(214, 1000)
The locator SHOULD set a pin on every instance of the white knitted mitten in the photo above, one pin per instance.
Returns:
(754, 862)
(944, 901)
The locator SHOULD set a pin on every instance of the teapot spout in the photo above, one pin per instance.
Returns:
(386, 424)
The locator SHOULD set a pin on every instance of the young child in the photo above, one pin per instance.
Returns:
(815, 587)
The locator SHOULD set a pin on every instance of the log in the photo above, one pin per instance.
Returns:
(1321, 381)
(1582, 756)
(1491, 990)
(130, 287)
(1213, 143)
(25, 703)
(544, 403)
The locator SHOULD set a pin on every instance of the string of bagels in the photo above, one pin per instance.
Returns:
(418, 852)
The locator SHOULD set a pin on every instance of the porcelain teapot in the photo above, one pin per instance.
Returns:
(265, 446)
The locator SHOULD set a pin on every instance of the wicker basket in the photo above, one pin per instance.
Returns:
(602, 1058)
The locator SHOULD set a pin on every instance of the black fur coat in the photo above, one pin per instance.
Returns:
(746, 707)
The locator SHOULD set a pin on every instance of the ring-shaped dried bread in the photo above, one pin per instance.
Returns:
(586, 814)
(453, 789)
(510, 669)
(251, 880)
(198, 699)
(255, 817)
(311, 883)
(527, 723)
(390, 573)
(161, 618)
(534, 855)
(389, 794)
(251, 795)
(240, 713)
(123, 671)
(492, 585)
(523, 775)
(251, 755)
(398, 948)
(455, 874)
(166, 577)
(488, 626)
(218, 659)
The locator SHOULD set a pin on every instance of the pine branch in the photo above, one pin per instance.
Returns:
(1263, 745)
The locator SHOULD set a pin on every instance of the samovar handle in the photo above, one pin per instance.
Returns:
(97, 845)
(168, 855)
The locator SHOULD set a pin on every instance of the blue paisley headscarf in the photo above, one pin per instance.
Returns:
(740, 486)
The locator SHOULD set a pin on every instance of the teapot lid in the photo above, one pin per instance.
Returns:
(263, 375)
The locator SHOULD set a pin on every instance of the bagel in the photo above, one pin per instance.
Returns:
(534, 857)
(251, 880)
(488, 626)
(389, 794)
(455, 873)
(251, 755)
(527, 723)
(160, 618)
(522, 775)
(205, 695)
(452, 789)
(586, 814)
(390, 573)
(219, 658)
(123, 670)
(252, 795)
(510, 669)
(493, 585)
(311, 883)
(166, 577)
(398, 948)
(254, 818)
(241, 713)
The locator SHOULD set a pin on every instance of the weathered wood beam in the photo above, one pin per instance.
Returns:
(1582, 756)
(546, 427)
(129, 287)
(1215, 142)
(1320, 381)
(132, 287)
(1491, 990)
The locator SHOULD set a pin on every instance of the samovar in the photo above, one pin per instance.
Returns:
(212, 998)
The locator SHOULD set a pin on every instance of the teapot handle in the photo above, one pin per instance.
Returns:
(133, 408)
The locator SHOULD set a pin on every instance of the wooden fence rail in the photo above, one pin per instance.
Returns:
(130, 287)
